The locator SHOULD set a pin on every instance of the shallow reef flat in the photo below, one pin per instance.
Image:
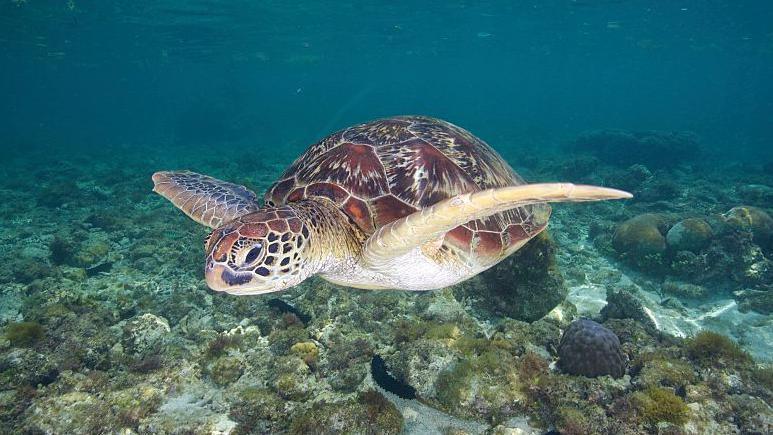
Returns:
(107, 325)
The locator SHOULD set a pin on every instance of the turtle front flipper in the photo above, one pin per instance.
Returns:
(403, 235)
(206, 200)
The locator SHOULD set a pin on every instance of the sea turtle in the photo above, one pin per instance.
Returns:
(408, 202)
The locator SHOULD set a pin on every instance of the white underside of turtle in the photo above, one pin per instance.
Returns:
(411, 203)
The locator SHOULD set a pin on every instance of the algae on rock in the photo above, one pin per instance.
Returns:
(524, 286)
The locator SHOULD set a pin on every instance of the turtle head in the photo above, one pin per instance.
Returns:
(259, 252)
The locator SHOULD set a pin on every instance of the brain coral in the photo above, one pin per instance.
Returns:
(691, 234)
(589, 349)
(640, 235)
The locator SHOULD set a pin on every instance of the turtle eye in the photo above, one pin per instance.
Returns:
(253, 253)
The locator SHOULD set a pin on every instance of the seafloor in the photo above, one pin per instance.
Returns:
(108, 326)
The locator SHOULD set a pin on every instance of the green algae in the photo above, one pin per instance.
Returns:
(453, 385)
(710, 348)
(763, 376)
(574, 421)
(258, 410)
(369, 413)
(307, 351)
(657, 404)
(24, 334)
(524, 286)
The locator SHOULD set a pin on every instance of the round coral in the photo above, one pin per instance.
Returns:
(691, 234)
(589, 349)
(639, 236)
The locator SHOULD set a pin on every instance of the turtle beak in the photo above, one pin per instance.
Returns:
(213, 275)
(221, 278)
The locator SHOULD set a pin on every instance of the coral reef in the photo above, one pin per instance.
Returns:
(640, 240)
(684, 290)
(760, 301)
(589, 349)
(631, 179)
(369, 413)
(655, 149)
(710, 348)
(623, 304)
(107, 327)
(525, 286)
(656, 404)
(691, 235)
(755, 220)
(23, 333)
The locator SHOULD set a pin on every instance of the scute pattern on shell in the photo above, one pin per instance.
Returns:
(589, 349)
(386, 169)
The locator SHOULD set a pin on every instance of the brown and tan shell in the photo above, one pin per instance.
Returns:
(389, 168)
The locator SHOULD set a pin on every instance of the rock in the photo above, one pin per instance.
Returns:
(258, 410)
(760, 301)
(691, 234)
(525, 286)
(622, 304)
(347, 362)
(578, 167)
(74, 412)
(755, 220)
(369, 412)
(752, 414)
(684, 290)
(132, 404)
(26, 367)
(589, 349)
(291, 379)
(640, 236)
(660, 371)
(144, 334)
(226, 369)
(92, 252)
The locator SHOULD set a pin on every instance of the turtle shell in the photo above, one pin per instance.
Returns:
(386, 169)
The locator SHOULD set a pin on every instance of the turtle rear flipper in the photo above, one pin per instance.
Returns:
(403, 235)
(206, 200)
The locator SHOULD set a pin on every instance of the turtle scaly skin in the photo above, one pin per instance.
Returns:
(407, 202)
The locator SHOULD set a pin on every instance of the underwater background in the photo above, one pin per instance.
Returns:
(107, 325)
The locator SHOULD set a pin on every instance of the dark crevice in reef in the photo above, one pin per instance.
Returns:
(378, 370)
(284, 307)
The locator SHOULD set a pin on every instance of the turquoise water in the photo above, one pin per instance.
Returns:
(107, 322)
